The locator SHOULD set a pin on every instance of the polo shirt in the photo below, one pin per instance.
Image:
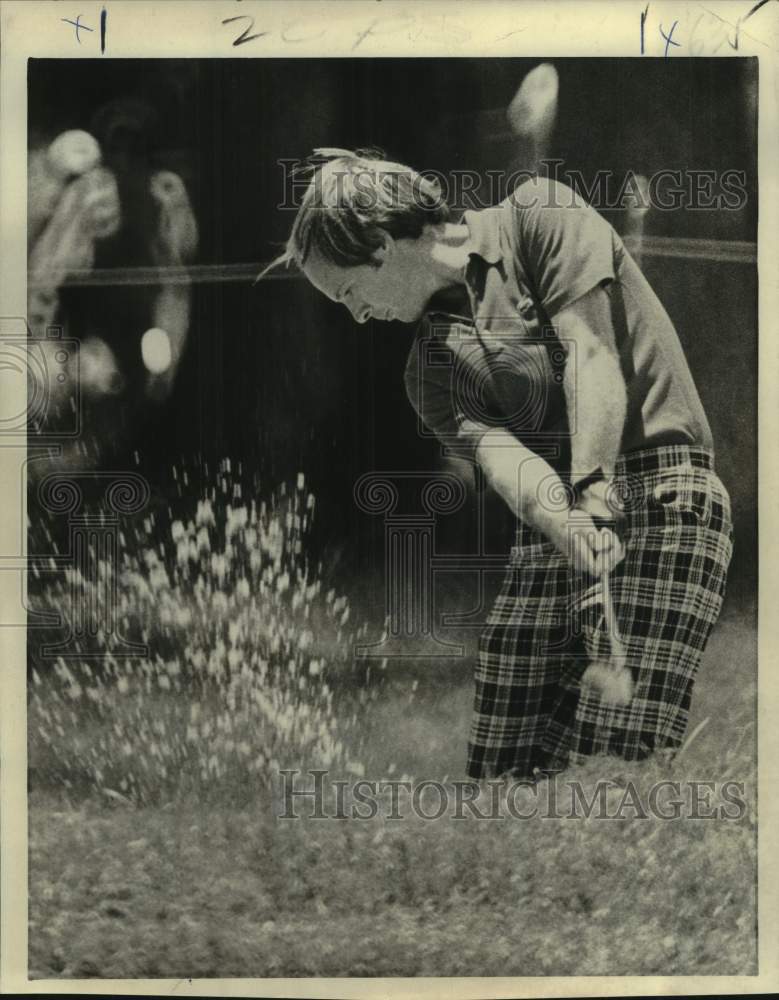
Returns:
(486, 353)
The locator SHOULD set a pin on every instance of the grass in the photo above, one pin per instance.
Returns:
(156, 848)
(192, 892)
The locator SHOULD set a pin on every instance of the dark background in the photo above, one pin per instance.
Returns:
(282, 380)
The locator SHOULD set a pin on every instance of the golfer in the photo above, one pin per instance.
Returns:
(543, 357)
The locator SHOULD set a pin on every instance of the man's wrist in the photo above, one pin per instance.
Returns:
(552, 523)
(600, 500)
(582, 483)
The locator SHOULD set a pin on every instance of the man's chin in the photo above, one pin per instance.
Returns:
(407, 315)
(412, 316)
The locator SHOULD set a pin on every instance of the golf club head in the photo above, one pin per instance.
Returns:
(613, 683)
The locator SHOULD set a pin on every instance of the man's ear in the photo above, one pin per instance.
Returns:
(385, 251)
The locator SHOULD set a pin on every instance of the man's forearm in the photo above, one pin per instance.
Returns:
(596, 399)
(533, 491)
(526, 482)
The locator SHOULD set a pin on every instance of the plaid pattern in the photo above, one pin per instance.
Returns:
(547, 624)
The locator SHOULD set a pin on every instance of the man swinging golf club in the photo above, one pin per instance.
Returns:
(558, 373)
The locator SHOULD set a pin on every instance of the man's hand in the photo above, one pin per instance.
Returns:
(600, 500)
(524, 479)
(588, 547)
(597, 509)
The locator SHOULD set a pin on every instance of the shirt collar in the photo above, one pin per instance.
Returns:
(484, 231)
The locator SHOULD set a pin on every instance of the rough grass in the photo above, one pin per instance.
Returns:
(156, 848)
(192, 892)
(187, 890)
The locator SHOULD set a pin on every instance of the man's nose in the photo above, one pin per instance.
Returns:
(362, 314)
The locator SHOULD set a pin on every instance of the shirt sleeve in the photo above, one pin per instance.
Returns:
(566, 247)
(432, 390)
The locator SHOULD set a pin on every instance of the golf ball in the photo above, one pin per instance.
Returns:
(155, 350)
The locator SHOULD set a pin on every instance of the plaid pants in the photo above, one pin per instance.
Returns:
(546, 625)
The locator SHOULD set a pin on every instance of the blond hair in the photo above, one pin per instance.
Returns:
(352, 201)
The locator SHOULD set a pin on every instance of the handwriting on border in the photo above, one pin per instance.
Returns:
(441, 28)
(78, 26)
(700, 32)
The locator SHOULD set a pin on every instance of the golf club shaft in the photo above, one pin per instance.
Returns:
(609, 616)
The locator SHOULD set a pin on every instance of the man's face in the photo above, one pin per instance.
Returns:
(396, 288)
